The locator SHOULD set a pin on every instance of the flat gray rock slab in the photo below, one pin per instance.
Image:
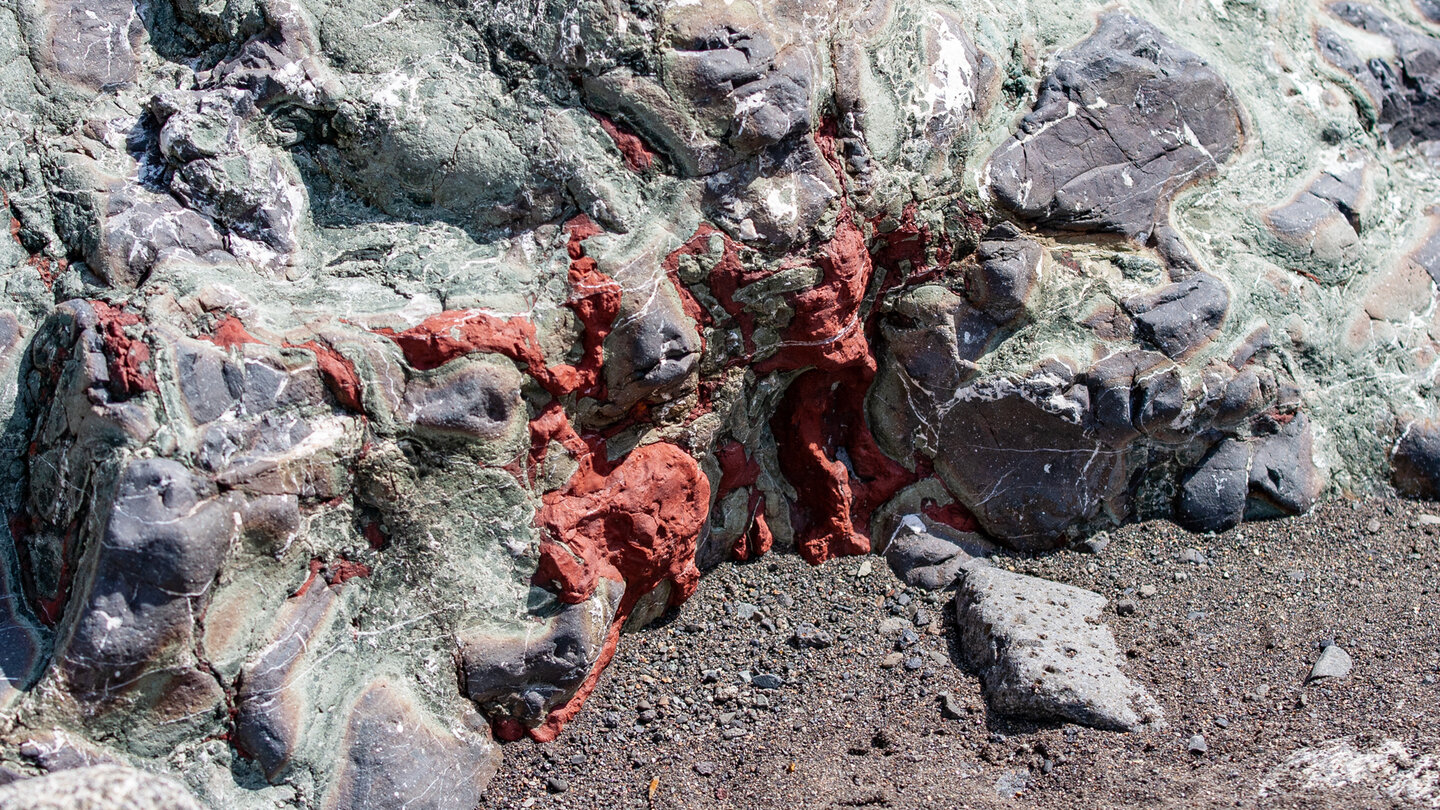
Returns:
(1042, 652)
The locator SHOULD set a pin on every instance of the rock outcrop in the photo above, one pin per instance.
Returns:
(369, 367)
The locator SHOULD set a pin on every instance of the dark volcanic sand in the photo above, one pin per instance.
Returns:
(1224, 646)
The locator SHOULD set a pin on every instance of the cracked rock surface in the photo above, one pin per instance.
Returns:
(1042, 651)
(368, 366)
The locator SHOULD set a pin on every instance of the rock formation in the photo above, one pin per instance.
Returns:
(368, 367)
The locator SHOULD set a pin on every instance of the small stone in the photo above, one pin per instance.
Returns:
(1193, 556)
(864, 569)
(1222, 722)
(1197, 745)
(808, 635)
(647, 717)
(907, 639)
(556, 784)
(745, 611)
(733, 733)
(1095, 543)
(892, 660)
(1428, 520)
(914, 662)
(1373, 526)
(612, 719)
(767, 680)
(892, 625)
(1195, 615)
(710, 676)
(1333, 662)
(1148, 591)
(705, 768)
(950, 706)
(1124, 607)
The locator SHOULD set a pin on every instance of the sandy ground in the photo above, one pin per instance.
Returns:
(1225, 646)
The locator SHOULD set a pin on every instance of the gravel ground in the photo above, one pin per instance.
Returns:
(886, 715)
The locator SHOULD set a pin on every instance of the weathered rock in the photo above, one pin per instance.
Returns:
(927, 556)
(100, 787)
(1416, 460)
(1180, 318)
(1042, 652)
(1123, 121)
(338, 340)
(1402, 90)
(395, 757)
(1212, 496)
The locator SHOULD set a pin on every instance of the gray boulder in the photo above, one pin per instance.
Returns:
(1041, 652)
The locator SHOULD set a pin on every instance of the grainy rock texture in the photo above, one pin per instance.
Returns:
(366, 367)
(1043, 652)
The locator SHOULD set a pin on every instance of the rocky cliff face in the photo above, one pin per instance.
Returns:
(368, 366)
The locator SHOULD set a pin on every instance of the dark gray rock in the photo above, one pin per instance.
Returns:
(1026, 459)
(271, 702)
(1006, 269)
(1212, 496)
(1404, 91)
(1124, 120)
(926, 556)
(396, 756)
(808, 635)
(1283, 476)
(1416, 460)
(165, 539)
(465, 398)
(1181, 318)
(525, 676)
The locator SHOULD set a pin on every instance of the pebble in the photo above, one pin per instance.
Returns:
(705, 768)
(808, 635)
(733, 732)
(1193, 556)
(1124, 607)
(612, 719)
(1429, 520)
(1333, 662)
(907, 639)
(1197, 745)
(922, 617)
(767, 680)
(1373, 526)
(950, 706)
(914, 662)
(745, 611)
(1095, 543)
(1148, 591)
(864, 569)
(556, 784)
(892, 660)
(892, 625)
(1222, 722)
